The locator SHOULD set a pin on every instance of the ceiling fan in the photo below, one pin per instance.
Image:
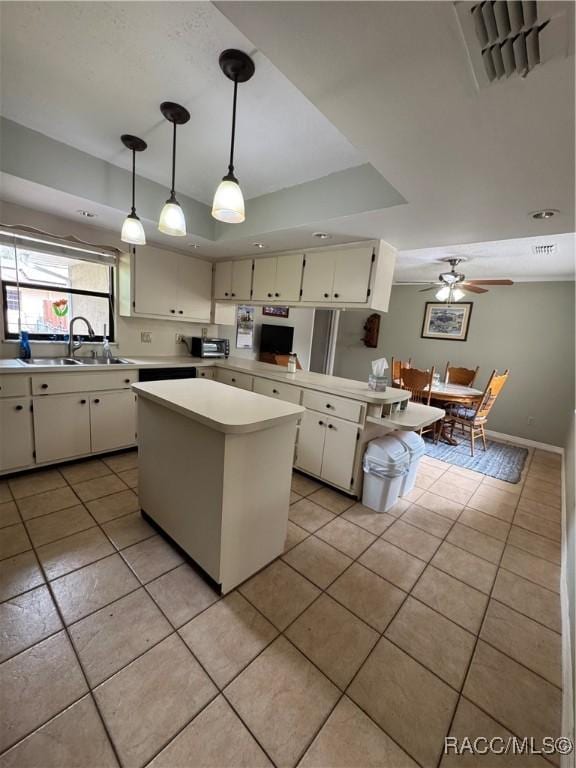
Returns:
(452, 285)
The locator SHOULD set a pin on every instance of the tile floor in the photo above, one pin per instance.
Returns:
(369, 641)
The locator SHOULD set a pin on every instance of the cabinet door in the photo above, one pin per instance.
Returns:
(288, 277)
(264, 279)
(318, 277)
(112, 420)
(194, 289)
(311, 437)
(155, 282)
(17, 443)
(352, 275)
(242, 279)
(61, 427)
(223, 280)
(339, 452)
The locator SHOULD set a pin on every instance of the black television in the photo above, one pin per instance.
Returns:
(276, 339)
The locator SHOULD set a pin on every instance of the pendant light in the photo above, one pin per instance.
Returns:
(172, 221)
(132, 229)
(228, 205)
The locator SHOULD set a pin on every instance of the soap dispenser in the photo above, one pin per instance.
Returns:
(25, 351)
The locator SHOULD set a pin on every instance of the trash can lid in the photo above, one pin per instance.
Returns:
(387, 450)
(412, 440)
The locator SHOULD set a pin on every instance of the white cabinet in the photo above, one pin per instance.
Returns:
(234, 379)
(272, 388)
(338, 276)
(112, 420)
(61, 427)
(327, 448)
(163, 284)
(278, 278)
(17, 443)
(205, 373)
(233, 280)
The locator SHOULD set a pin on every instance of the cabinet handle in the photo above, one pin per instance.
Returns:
(321, 423)
(97, 400)
(173, 311)
(331, 426)
(19, 407)
(269, 295)
(329, 405)
(326, 295)
(275, 392)
(82, 402)
(43, 386)
(233, 294)
(276, 294)
(233, 381)
(180, 311)
(226, 293)
(336, 295)
(126, 381)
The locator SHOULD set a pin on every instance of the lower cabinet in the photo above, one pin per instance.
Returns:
(66, 426)
(327, 448)
(112, 420)
(62, 426)
(17, 443)
(234, 379)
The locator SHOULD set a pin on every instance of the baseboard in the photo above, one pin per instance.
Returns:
(524, 441)
(568, 725)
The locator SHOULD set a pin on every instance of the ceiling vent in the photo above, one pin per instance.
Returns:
(546, 249)
(508, 38)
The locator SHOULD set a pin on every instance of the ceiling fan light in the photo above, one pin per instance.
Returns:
(443, 293)
(172, 221)
(133, 231)
(228, 205)
(457, 294)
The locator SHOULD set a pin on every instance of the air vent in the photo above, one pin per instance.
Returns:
(508, 38)
(545, 249)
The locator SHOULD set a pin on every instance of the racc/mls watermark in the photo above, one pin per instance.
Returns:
(481, 745)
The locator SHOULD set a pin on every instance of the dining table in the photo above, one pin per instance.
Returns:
(449, 394)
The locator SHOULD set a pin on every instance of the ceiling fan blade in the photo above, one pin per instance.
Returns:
(472, 288)
(490, 282)
(432, 288)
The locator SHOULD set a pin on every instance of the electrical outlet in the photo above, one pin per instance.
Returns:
(530, 420)
(179, 338)
(204, 332)
(145, 337)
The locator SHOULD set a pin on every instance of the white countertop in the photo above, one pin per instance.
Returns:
(415, 417)
(357, 390)
(218, 406)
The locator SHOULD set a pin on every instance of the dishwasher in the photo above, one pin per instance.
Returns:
(166, 374)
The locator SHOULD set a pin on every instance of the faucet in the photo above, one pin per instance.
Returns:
(72, 347)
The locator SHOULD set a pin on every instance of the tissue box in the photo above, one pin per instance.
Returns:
(377, 383)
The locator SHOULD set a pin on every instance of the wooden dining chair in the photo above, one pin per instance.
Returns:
(465, 377)
(395, 369)
(473, 418)
(418, 382)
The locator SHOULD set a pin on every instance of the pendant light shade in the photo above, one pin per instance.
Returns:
(172, 220)
(228, 205)
(457, 294)
(443, 293)
(132, 229)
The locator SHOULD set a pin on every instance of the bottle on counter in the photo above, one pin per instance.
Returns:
(292, 367)
(25, 351)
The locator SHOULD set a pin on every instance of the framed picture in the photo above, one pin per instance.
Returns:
(447, 321)
(276, 311)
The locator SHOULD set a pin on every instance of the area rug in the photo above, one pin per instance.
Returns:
(500, 460)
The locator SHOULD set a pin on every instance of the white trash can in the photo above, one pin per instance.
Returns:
(416, 448)
(386, 462)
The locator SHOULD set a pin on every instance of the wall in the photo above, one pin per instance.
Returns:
(302, 320)
(127, 329)
(569, 563)
(527, 327)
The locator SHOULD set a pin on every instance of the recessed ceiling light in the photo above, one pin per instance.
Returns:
(258, 245)
(321, 235)
(87, 214)
(545, 213)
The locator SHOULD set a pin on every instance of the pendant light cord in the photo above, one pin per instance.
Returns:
(231, 163)
(134, 182)
(172, 192)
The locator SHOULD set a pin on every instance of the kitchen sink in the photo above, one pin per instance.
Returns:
(52, 361)
(62, 361)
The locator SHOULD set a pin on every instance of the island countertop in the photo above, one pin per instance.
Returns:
(218, 406)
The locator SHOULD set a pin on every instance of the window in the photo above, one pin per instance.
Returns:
(45, 286)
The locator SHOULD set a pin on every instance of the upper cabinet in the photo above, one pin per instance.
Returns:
(338, 276)
(278, 278)
(163, 284)
(233, 280)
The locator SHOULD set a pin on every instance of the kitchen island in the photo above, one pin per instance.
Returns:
(215, 472)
